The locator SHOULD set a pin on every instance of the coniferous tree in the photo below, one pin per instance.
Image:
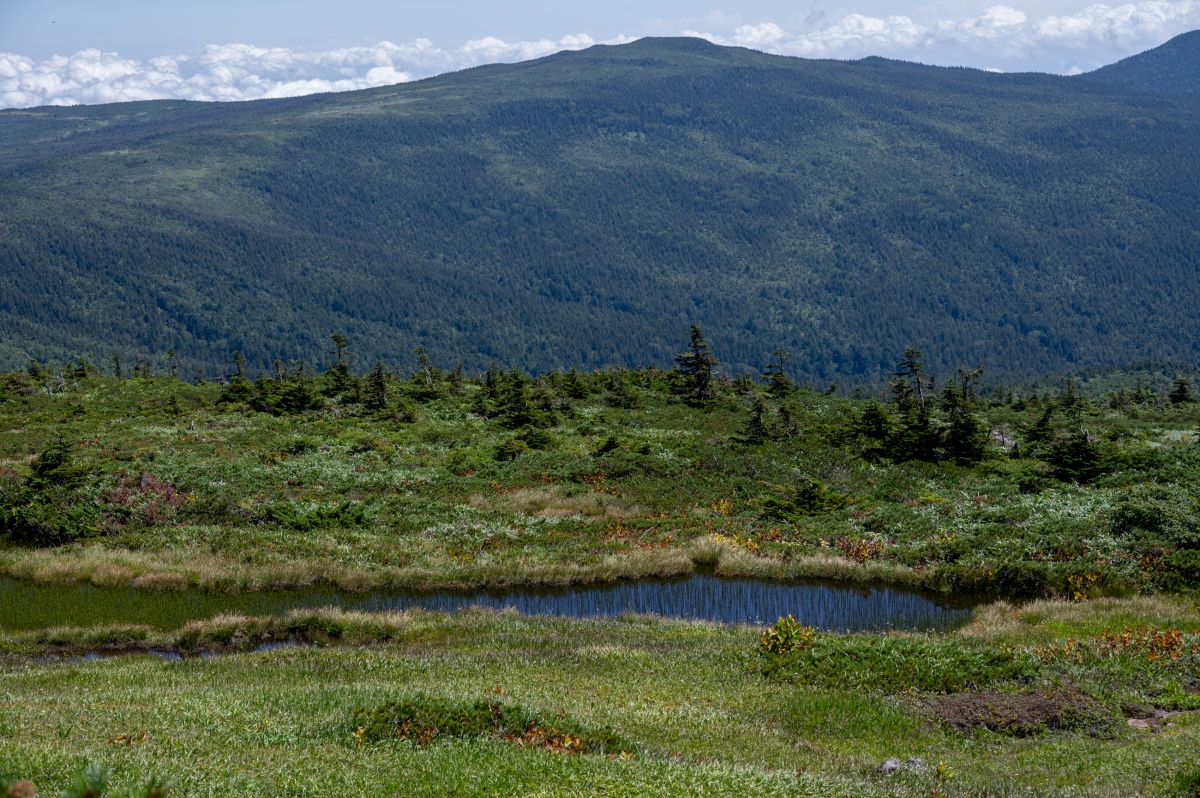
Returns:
(695, 370)
(1075, 457)
(778, 384)
(514, 407)
(876, 423)
(619, 393)
(756, 430)
(574, 385)
(375, 389)
(965, 438)
(1181, 393)
(787, 423)
(917, 438)
(424, 382)
(338, 379)
(297, 395)
(1071, 400)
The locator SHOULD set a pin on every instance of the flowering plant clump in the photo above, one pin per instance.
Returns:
(1152, 645)
(144, 498)
(859, 550)
(735, 540)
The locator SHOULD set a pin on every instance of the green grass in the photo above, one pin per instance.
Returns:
(688, 699)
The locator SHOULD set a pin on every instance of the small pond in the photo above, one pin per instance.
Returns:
(828, 606)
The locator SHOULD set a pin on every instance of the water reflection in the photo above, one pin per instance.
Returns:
(834, 607)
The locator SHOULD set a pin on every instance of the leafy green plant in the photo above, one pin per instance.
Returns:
(786, 636)
(1187, 783)
(93, 782)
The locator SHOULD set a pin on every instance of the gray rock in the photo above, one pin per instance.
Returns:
(911, 765)
(915, 765)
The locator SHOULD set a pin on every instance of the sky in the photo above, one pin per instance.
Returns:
(68, 52)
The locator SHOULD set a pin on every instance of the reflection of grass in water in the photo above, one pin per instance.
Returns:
(31, 604)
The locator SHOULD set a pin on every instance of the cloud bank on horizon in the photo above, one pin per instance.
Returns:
(1001, 37)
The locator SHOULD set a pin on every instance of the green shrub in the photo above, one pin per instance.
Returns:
(1178, 570)
(809, 497)
(424, 720)
(511, 450)
(48, 517)
(299, 517)
(537, 439)
(94, 783)
(893, 664)
(299, 445)
(465, 461)
(47, 508)
(1174, 697)
(1187, 783)
(1159, 515)
(1014, 579)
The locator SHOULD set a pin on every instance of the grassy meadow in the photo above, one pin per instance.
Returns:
(685, 708)
(1080, 509)
(599, 476)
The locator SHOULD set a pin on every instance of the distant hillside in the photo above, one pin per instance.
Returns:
(582, 209)
(1173, 68)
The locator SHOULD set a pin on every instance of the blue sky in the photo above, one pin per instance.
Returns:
(82, 51)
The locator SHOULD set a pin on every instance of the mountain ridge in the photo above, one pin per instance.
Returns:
(583, 208)
(1172, 68)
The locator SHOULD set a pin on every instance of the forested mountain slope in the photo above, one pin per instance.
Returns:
(581, 209)
(1173, 68)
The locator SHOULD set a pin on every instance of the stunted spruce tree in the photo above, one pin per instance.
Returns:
(695, 370)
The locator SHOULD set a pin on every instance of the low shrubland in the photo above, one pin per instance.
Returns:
(442, 479)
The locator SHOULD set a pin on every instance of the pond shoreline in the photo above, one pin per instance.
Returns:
(177, 571)
(701, 596)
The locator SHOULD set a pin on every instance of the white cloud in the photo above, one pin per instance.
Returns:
(1132, 22)
(764, 35)
(1053, 42)
(247, 72)
(1001, 37)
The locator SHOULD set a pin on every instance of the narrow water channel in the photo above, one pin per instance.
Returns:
(832, 607)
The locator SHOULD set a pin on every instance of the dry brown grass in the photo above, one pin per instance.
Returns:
(181, 569)
(554, 502)
(728, 559)
(1051, 619)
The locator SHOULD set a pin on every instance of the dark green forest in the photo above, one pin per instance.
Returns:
(1169, 69)
(579, 210)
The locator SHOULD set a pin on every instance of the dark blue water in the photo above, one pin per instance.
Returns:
(828, 606)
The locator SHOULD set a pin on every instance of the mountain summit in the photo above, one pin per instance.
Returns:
(582, 209)
(1173, 68)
